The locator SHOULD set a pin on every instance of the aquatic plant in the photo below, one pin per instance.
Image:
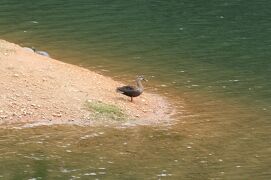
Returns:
(105, 111)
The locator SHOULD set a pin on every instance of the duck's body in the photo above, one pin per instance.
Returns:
(132, 91)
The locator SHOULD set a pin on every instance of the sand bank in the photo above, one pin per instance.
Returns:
(38, 89)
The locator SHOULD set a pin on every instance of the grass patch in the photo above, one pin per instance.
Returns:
(105, 111)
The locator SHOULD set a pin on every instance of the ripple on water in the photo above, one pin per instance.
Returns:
(64, 170)
(89, 136)
(164, 174)
(75, 177)
(90, 174)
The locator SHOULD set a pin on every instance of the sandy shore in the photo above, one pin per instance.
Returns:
(40, 90)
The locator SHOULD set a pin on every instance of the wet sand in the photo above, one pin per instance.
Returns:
(39, 90)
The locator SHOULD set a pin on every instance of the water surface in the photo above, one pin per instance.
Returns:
(211, 59)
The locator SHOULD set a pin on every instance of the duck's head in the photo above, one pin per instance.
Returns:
(141, 78)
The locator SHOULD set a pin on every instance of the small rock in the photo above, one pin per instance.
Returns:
(3, 116)
(16, 75)
(29, 113)
(13, 98)
(57, 114)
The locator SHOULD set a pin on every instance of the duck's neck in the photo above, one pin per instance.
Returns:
(139, 84)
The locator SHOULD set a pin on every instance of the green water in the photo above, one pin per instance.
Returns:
(210, 58)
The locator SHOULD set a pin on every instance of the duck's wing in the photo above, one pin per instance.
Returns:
(125, 89)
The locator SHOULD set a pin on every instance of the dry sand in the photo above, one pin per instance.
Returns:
(35, 89)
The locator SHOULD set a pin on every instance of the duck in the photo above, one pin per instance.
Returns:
(132, 91)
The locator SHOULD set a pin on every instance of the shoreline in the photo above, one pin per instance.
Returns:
(41, 90)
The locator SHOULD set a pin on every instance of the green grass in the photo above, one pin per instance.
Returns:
(105, 111)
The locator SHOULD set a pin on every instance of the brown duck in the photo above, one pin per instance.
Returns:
(133, 91)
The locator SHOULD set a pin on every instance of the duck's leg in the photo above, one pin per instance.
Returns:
(131, 99)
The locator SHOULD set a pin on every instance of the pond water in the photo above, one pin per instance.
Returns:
(210, 59)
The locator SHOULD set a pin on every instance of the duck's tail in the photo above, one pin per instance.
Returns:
(118, 90)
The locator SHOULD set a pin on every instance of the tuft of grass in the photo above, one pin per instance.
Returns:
(105, 111)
